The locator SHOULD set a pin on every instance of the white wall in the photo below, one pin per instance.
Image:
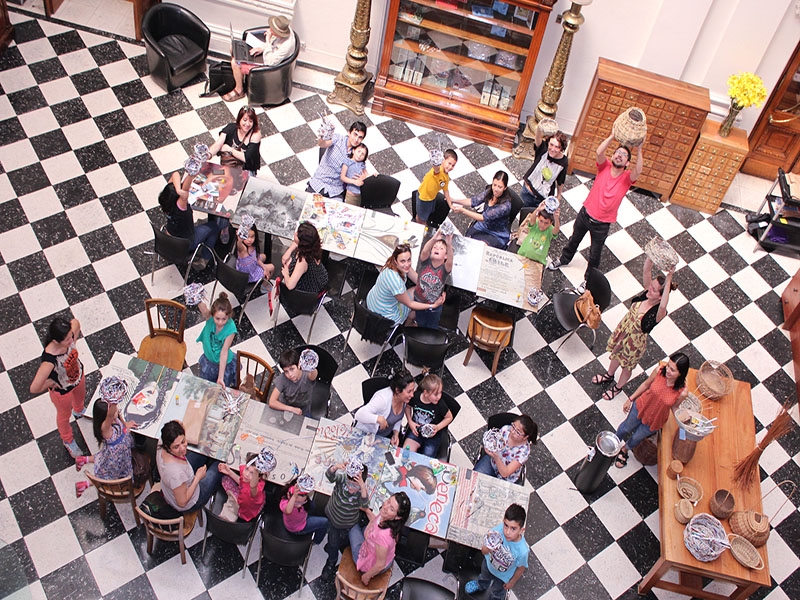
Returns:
(698, 41)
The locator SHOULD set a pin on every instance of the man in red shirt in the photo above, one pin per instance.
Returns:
(612, 182)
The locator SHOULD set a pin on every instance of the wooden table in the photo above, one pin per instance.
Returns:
(712, 465)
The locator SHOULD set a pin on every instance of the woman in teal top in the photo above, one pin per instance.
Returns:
(217, 338)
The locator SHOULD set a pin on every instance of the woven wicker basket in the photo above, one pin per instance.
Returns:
(630, 127)
(683, 511)
(690, 489)
(661, 253)
(548, 127)
(751, 525)
(705, 538)
(745, 552)
(714, 380)
(722, 503)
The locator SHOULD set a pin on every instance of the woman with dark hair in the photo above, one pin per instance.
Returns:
(649, 406)
(302, 262)
(61, 375)
(383, 414)
(373, 547)
(239, 143)
(516, 439)
(389, 296)
(492, 225)
(629, 340)
(186, 481)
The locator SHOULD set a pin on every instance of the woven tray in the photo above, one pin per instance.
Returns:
(548, 127)
(745, 552)
(705, 538)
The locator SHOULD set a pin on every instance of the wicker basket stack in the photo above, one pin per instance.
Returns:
(630, 127)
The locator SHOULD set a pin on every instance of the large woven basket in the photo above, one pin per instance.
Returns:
(745, 552)
(630, 127)
(714, 380)
(705, 538)
(751, 525)
(661, 253)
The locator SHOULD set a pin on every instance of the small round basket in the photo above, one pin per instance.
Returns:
(690, 489)
(705, 538)
(721, 504)
(745, 552)
(630, 127)
(548, 127)
(661, 253)
(683, 511)
(691, 403)
(714, 380)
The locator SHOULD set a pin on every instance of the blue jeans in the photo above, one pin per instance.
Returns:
(529, 199)
(427, 446)
(425, 207)
(207, 233)
(337, 539)
(633, 429)
(486, 466)
(208, 484)
(488, 581)
(356, 537)
(429, 318)
(316, 525)
(210, 371)
(598, 232)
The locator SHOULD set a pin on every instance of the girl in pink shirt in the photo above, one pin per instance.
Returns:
(295, 504)
(247, 486)
(374, 545)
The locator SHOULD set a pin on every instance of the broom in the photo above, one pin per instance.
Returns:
(746, 470)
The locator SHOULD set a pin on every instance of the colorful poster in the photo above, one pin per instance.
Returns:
(431, 486)
(479, 504)
(338, 224)
(276, 208)
(381, 233)
(506, 278)
(148, 402)
(216, 189)
(335, 443)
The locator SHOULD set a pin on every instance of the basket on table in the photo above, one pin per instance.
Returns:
(690, 489)
(630, 127)
(705, 538)
(714, 380)
(751, 525)
(689, 416)
(722, 503)
(683, 511)
(745, 552)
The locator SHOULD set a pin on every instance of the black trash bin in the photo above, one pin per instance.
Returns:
(597, 462)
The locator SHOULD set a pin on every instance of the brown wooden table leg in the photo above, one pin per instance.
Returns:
(654, 576)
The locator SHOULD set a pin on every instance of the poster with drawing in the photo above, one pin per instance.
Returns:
(505, 277)
(276, 208)
(338, 224)
(216, 189)
(118, 367)
(467, 257)
(150, 396)
(335, 443)
(381, 233)
(430, 485)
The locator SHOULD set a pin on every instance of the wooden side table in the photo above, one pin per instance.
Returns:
(711, 168)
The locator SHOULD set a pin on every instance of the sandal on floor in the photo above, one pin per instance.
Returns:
(611, 392)
(621, 460)
(601, 378)
(233, 96)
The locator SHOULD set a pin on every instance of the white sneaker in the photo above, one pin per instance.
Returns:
(554, 265)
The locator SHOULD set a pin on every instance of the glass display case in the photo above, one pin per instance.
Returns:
(460, 66)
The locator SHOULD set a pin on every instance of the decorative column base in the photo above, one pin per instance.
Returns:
(524, 150)
(353, 96)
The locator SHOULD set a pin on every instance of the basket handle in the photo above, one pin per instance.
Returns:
(789, 497)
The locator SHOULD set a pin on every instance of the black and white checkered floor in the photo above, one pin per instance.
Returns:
(85, 141)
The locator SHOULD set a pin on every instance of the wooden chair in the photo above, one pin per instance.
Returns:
(165, 345)
(490, 331)
(349, 586)
(168, 530)
(115, 490)
(250, 364)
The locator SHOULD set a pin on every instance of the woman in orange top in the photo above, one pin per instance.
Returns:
(649, 406)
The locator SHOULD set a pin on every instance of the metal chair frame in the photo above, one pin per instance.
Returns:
(361, 317)
(172, 249)
(235, 281)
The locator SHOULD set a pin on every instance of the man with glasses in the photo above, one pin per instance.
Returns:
(612, 182)
(327, 178)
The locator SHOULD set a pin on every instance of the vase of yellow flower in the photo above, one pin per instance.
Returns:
(745, 90)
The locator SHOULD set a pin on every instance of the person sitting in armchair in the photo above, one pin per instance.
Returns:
(279, 45)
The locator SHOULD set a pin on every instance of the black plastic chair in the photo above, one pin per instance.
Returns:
(425, 347)
(368, 278)
(337, 274)
(235, 281)
(415, 588)
(379, 192)
(564, 304)
(271, 85)
(227, 531)
(516, 206)
(282, 548)
(176, 42)
(451, 310)
(446, 444)
(321, 391)
(298, 302)
(372, 385)
(439, 214)
(412, 546)
(470, 568)
(172, 249)
(501, 420)
(373, 327)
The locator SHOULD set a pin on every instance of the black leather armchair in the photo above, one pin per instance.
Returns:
(271, 85)
(176, 41)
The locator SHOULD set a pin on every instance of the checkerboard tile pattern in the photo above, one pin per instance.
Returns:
(86, 138)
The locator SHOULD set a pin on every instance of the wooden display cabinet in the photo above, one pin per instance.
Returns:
(6, 29)
(460, 66)
(675, 112)
(711, 168)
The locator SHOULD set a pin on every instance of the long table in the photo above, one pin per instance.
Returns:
(712, 465)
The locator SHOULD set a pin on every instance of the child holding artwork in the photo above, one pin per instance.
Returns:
(434, 184)
(435, 264)
(246, 488)
(506, 556)
(296, 502)
(427, 415)
(354, 171)
(534, 241)
(292, 388)
(218, 362)
(248, 258)
(349, 496)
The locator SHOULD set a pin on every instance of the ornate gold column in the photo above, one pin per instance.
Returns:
(547, 106)
(352, 86)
